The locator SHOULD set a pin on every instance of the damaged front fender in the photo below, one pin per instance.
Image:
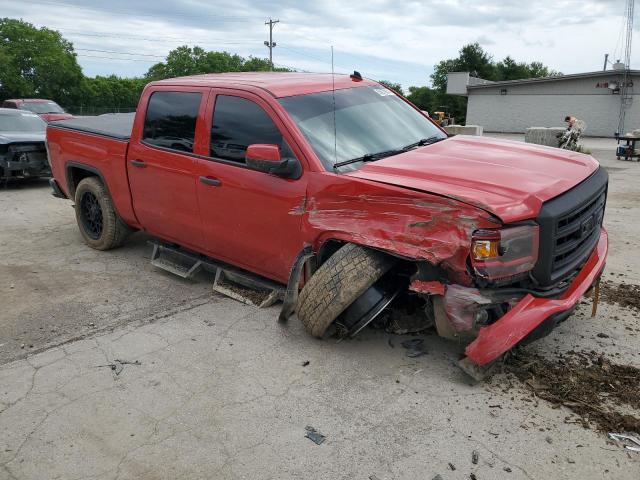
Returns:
(413, 225)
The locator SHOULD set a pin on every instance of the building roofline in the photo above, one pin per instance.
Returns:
(571, 76)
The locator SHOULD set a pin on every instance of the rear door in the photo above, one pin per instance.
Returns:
(249, 218)
(162, 164)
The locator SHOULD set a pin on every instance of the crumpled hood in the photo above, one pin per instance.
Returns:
(12, 137)
(509, 179)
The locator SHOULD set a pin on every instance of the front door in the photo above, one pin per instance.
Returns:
(250, 219)
(162, 165)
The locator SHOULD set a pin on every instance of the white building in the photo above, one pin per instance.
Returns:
(515, 105)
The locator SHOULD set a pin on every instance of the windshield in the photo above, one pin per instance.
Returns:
(368, 120)
(24, 122)
(42, 107)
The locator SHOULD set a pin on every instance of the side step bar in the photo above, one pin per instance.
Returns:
(262, 292)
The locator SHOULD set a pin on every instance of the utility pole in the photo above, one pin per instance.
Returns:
(625, 97)
(270, 44)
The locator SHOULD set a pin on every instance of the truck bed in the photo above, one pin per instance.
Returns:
(114, 125)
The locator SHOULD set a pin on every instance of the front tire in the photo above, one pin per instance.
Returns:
(99, 224)
(345, 276)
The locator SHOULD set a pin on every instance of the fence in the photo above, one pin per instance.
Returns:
(91, 110)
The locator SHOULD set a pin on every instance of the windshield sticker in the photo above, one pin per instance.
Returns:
(383, 92)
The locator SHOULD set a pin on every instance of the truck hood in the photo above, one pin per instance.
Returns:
(13, 137)
(507, 178)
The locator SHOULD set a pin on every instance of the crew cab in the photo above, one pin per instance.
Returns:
(48, 110)
(348, 194)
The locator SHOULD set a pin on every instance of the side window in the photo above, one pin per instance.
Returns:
(171, 120)
(238, 123)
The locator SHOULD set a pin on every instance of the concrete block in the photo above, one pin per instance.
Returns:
(543, 136)
(464, 130)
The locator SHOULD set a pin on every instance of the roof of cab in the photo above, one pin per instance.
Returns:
(278, 84)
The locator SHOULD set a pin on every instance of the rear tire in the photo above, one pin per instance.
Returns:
(345, 276)
(99, 224)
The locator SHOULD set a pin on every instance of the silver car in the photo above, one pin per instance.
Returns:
(22, 145)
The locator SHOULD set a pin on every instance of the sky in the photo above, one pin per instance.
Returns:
(393, 40)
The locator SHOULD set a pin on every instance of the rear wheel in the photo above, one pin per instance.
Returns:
(345, 276)
(98, 221)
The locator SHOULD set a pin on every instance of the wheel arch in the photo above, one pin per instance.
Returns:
(76, 172)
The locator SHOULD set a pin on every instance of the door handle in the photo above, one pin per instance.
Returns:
(214, 182)
(138, 163)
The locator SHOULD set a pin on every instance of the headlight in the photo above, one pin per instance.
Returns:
(498, 254)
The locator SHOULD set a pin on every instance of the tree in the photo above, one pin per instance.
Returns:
(36, 63)
(509, 69)
(422, 97)
(396, 87)
(187, 60)
(107, 94)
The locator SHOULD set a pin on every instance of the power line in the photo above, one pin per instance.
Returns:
(118, 58)
(120, 53)
(225, 18)
(153, 39)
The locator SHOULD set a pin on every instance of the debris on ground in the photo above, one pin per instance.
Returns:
(314, 435)
(603, 394)
(305, 363)
(628, 438)
(452, 466)
(118, 365)
(405, 315)
(243, 294)
(415, 347)
(624, 294)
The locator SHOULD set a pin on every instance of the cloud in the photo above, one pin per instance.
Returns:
(398, 41)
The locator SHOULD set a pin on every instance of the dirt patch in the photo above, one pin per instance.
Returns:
(624, 294)
(603, 394)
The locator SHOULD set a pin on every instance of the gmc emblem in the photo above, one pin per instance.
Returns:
(587, 226)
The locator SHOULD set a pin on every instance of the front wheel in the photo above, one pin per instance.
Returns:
(98, 221)
(345, 276)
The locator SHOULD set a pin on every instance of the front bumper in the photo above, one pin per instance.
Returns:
(530, 312)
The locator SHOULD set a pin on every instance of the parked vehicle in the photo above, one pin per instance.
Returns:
(47, 109)
(343, 186)
(22, 148)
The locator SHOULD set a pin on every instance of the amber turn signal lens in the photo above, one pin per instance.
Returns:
(483, 249)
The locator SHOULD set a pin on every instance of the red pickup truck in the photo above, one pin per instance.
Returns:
(339, 188)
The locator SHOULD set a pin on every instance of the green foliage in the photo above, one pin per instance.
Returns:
(422, 97)
(186, 60)
(472, 58)
(396, 87)
(107, 94)
(36, 62)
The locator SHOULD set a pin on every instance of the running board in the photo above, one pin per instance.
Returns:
(230, 281)
(181, 265)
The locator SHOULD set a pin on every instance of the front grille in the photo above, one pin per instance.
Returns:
(570, 228)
